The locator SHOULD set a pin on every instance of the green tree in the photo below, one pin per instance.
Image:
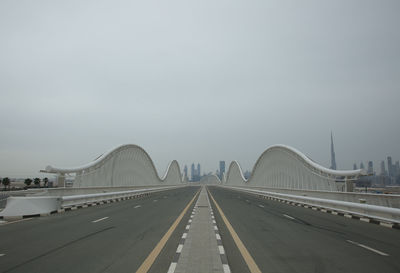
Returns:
(6, 182)
(36, 181)
(28, 182)
(45, 181)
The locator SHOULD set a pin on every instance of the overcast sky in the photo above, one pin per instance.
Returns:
(197, 81)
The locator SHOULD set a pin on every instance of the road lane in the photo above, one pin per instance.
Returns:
(285, 238)
(71, 242)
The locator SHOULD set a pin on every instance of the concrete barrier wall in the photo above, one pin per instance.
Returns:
(21, 206)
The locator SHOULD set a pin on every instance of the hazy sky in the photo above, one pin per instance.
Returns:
(197, 81)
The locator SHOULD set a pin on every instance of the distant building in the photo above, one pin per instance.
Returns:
(362, 166)
(390, 166)
(383, 169)
(333, 157)
(370, 169)
(192, 172)
(195, 174)
(221, 169)
(354, 166)
(185, 171)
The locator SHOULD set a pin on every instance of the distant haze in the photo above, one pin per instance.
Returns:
(197, 81)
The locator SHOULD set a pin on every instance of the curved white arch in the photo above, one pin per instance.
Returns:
(281, 166)
(125, 165)
(210, 179)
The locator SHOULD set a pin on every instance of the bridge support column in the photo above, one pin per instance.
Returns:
(61, 180)
(349, 185)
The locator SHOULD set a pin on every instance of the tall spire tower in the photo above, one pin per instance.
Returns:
(333, 159)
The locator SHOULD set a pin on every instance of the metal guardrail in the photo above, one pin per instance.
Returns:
(386, 214)
(385, 200)
(24, 206)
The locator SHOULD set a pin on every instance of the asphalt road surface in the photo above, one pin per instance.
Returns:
(285, 238)
(118, 237)
(114, 237)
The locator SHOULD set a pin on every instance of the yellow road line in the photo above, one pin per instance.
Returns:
(251, 264)
(156, 251)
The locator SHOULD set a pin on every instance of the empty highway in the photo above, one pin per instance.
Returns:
(123, 236)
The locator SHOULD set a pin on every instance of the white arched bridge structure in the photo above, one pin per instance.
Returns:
(125, 166)
(280, 166)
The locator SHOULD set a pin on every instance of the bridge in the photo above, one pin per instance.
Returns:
(291, 215)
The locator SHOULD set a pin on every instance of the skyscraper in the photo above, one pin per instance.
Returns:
(383, 170)
(354, 166)
(390, 166)
(362, 166)
(185, 171)
(192, 172)
(370, 167)
(397, 168)
(198, 170)
(221, 169)
(333, 158)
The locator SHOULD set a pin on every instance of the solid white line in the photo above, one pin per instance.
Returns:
(217, 236)
(17, 221)
(179, 249)
(172, 268)
(226, 268)
(261, 206)
(101, 219)
(290, 217)
(138, 206)
(369, 248)
(184, 235)
(221, 250)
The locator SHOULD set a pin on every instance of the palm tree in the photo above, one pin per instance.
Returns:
(45, 181)
(28, 182)
(36, 181)
(6, 182)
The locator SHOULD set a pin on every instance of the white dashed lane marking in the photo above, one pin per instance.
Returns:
(2, 254)
(288, 216)
(101, 219)
(369, 248)
(138, 206)
(261, 206)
